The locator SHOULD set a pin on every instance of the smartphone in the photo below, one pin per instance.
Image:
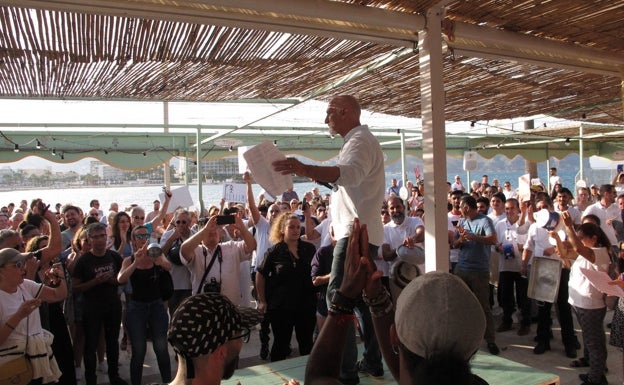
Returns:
(225, 219)
(304, 204)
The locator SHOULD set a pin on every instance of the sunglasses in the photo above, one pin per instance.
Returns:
(182, 222)
(94, 214)
(136, 217)
(383, 212)
(19, 246)
(142, 236)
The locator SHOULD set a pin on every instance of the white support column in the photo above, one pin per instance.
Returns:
(403, 172)
(167, 168)
(434, 142)
(200, 174)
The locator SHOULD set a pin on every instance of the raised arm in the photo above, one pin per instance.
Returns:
(157, 221)
(253, 208)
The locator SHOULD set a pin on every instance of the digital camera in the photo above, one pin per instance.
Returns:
(213, 286)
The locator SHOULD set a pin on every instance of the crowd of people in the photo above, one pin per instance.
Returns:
(78, 278)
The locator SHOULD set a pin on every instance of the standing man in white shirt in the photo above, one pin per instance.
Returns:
(359, 188)
(607, 212)
(458, 185)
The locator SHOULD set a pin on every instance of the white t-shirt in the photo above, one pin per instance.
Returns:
(581, 292)
(227, 272)
(179, 274)
(9, 304)
(605, 213)
(394, 234)
(263, 228)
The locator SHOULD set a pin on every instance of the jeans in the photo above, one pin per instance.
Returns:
(139, 317)
(372, 354)
(96, 315)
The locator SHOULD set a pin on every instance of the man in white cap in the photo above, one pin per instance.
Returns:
(418, 346)
(206, 332)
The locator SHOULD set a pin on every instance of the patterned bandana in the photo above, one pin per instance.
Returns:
(204, 322)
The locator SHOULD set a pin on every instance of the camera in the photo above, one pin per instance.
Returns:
(213, 286)
(154, 250)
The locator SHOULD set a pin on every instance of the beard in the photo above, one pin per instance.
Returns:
(398, 218)
(230, 367)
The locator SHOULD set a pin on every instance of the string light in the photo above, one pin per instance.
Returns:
(38, 145)
(16, 148)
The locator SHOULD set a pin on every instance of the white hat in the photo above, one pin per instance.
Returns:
(436, 314)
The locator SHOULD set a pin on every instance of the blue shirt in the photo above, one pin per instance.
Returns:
(475, 256)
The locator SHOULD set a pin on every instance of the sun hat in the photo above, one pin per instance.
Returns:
(438, 314)
(9, 255)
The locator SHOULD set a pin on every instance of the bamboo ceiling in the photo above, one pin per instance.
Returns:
(56, 54)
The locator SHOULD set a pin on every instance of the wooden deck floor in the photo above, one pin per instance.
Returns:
(494, 369)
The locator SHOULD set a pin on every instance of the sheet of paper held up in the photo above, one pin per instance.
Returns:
(600, 279)
(259, 159)
(181, 197)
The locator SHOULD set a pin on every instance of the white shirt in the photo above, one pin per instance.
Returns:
(605, 213)
(361, 185)
(507, 234)
(453, 253)
(227, 271)
(394, 234)
(263, 227)
(575, 214)
(510, 194)
(581, 292)
(179, 274)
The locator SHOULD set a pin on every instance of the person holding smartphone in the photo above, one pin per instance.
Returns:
(215, 264)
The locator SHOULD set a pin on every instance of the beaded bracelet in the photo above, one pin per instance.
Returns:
(339, 309)
(382, 310)
(380, 300)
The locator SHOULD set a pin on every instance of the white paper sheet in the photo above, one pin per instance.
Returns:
(259, 160)
(600, 279)
(181, 198)
(235, 192)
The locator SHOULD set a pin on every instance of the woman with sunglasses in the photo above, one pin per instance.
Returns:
(20, 323)
(146, 309)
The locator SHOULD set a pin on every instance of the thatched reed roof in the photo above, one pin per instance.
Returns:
(50, 51)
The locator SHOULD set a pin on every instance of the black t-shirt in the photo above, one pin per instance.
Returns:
(288, 280)
(89, 266)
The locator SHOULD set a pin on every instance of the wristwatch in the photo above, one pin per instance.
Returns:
(339, 299)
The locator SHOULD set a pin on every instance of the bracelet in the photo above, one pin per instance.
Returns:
(9, 325)
(382, 310)
(341, 318)
(380, 299)
(338, 309)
